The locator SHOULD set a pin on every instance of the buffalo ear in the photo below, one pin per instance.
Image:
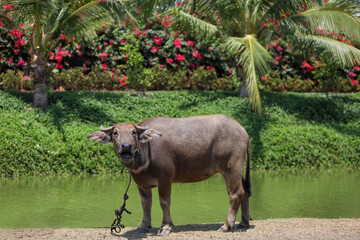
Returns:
(147, 134)
(103, 136)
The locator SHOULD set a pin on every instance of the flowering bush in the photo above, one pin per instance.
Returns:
(318, 72)
(13, 48)
(156, 57)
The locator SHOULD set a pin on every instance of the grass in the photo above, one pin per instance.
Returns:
(294, 131)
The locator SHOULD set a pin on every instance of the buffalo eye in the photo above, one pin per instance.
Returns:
(133, 132)
(115, 133)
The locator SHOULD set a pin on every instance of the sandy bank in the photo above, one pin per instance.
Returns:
(300, 228)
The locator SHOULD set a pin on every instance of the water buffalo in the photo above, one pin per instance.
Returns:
(162, 150)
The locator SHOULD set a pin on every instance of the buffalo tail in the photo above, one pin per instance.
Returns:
(246, 181)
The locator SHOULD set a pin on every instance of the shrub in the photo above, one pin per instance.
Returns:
(296, 84)
(164, 79)
(294, 131)
(12, 79)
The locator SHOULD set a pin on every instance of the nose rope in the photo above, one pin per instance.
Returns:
(117, 225)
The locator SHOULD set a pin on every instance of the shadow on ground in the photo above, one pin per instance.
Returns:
(213, 227)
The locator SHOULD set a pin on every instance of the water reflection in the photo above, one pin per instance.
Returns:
(89, 201)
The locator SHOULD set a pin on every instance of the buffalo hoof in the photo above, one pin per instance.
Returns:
(165, 230)
(244, 224)
(224, 228)
(221, 230)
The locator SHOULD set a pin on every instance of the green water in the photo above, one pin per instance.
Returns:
(89, 201)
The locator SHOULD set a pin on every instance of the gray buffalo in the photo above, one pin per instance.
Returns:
(162, 150)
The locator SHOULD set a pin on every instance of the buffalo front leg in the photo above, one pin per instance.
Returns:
(146, 202)
(165, 200)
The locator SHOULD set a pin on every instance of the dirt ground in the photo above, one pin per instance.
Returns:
(300, 228)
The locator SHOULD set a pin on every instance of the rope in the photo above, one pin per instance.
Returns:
(116, 225)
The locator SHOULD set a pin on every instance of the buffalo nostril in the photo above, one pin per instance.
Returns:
(126, 145)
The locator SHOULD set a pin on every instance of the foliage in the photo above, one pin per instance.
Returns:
(294, 131)
(15, 80)
(244, 25)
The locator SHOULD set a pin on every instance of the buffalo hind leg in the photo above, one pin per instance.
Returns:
(146, 202)
(165, 201)
(236, 197)
(245, 212)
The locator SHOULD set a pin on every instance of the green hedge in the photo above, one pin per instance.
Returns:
(295, 130)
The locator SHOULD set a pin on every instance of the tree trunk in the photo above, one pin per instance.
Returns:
(244, 92)
(40, 72)
(40, 96)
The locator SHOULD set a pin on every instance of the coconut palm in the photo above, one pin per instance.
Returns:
(45, 20)
(240, 23)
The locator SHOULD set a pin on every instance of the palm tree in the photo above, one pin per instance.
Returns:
(45, 20)
(240, 23)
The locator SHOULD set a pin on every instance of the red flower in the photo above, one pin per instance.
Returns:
(103, 56)
(122, 78)
(105, 67)
(16, 51)
(230, 71)
(20, 43)
(177, 43)
(351, 74)
(161, 66)
(196, 55)
(277, 59)
(180, 57)
(21, 63)
(264, 78)
(320, 30)
(7, 7)
(353, 82)
(16, 33)
(158, 40)
(62, 37)
(126, 56)
(209, 67)
(356, 68)
(59, 66)
(154, 49)
(307, 66)
(170, 60)
(190, 43)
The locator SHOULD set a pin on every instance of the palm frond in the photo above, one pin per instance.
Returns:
(328, 20)
(82, 22)
(255, 61)
(192, 22)
(345, 54)
(121, 10)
